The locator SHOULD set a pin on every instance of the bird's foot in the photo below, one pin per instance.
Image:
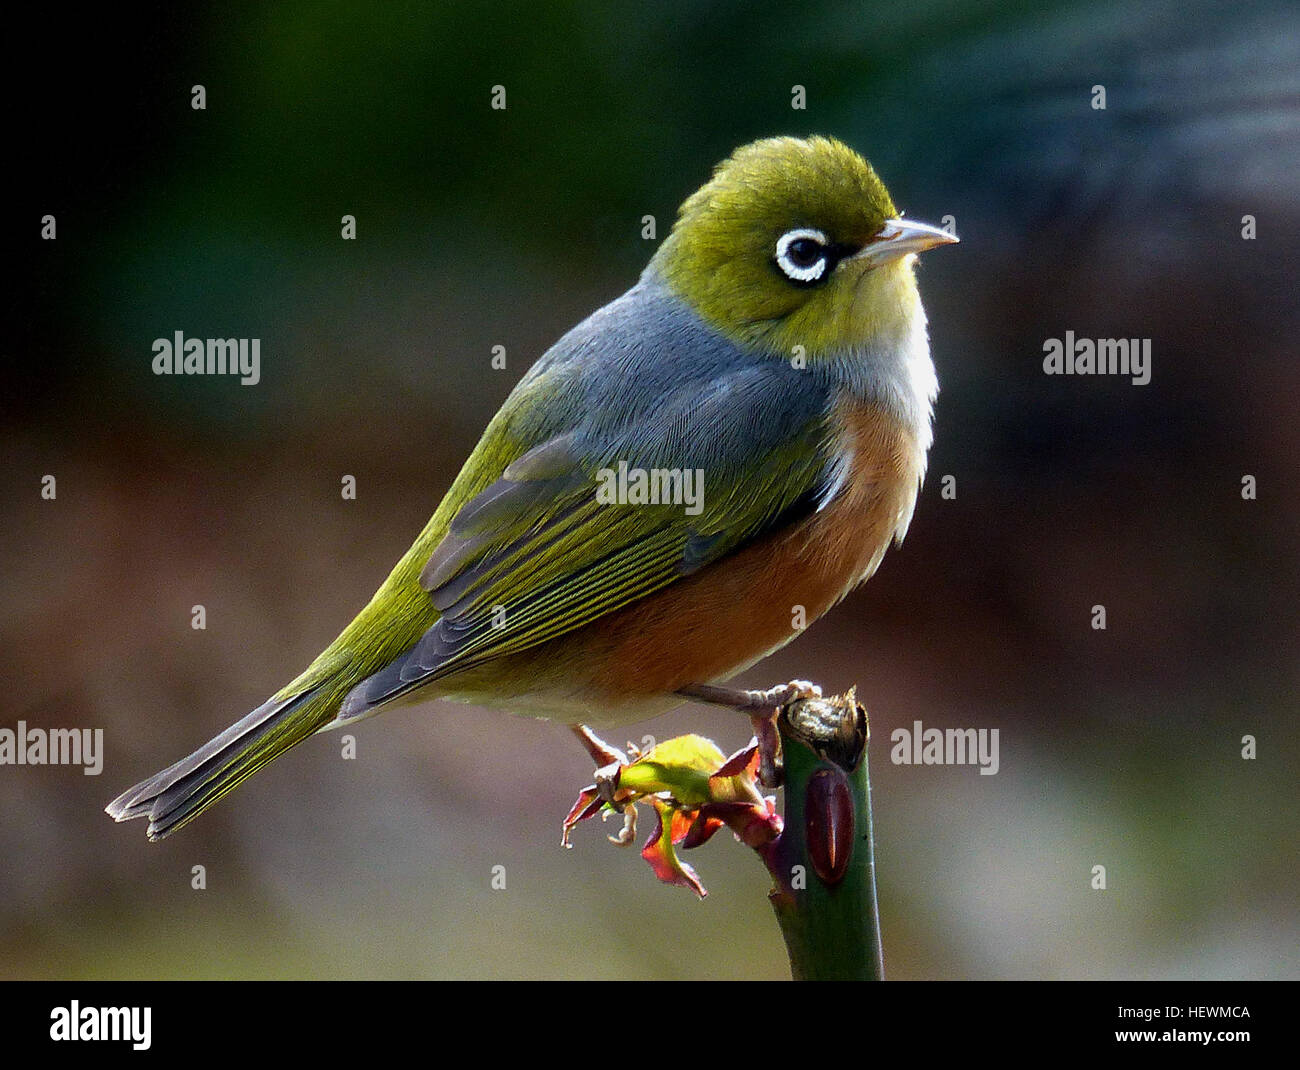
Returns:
(763, 707)
(741, 699)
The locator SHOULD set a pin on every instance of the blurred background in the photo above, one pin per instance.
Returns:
(478, 228)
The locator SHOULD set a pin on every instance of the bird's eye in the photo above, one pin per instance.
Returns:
(804, 252)
(802, 255)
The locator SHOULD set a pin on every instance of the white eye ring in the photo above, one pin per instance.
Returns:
(812, 272)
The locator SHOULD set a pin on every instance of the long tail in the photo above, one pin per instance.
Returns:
(181, 792)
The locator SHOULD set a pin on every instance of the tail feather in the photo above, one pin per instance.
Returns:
(178, 794)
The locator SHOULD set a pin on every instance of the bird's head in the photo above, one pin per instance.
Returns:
(796, 242)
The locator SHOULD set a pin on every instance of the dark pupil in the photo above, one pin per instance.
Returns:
(804, 252)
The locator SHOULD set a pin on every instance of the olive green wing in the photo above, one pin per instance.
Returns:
(549, 548)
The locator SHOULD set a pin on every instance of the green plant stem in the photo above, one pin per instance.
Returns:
(825, 896)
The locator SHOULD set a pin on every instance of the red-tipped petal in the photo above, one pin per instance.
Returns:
(588, 804)
(755, 824)
(601, 752)
(700, 831)
(740, 762)
(662, 856)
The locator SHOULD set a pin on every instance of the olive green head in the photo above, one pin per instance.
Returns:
(796, 242)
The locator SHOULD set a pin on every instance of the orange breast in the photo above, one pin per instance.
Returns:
(712, 625)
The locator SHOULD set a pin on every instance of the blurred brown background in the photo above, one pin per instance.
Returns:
(477, 228)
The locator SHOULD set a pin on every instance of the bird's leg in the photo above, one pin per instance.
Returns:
(763, 708)
(738, 699)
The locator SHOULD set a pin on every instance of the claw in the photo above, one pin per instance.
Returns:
(784, 694)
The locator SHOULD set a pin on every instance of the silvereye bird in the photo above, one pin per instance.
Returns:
(775, 347)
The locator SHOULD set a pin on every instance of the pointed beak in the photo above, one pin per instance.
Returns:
(898, 237)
